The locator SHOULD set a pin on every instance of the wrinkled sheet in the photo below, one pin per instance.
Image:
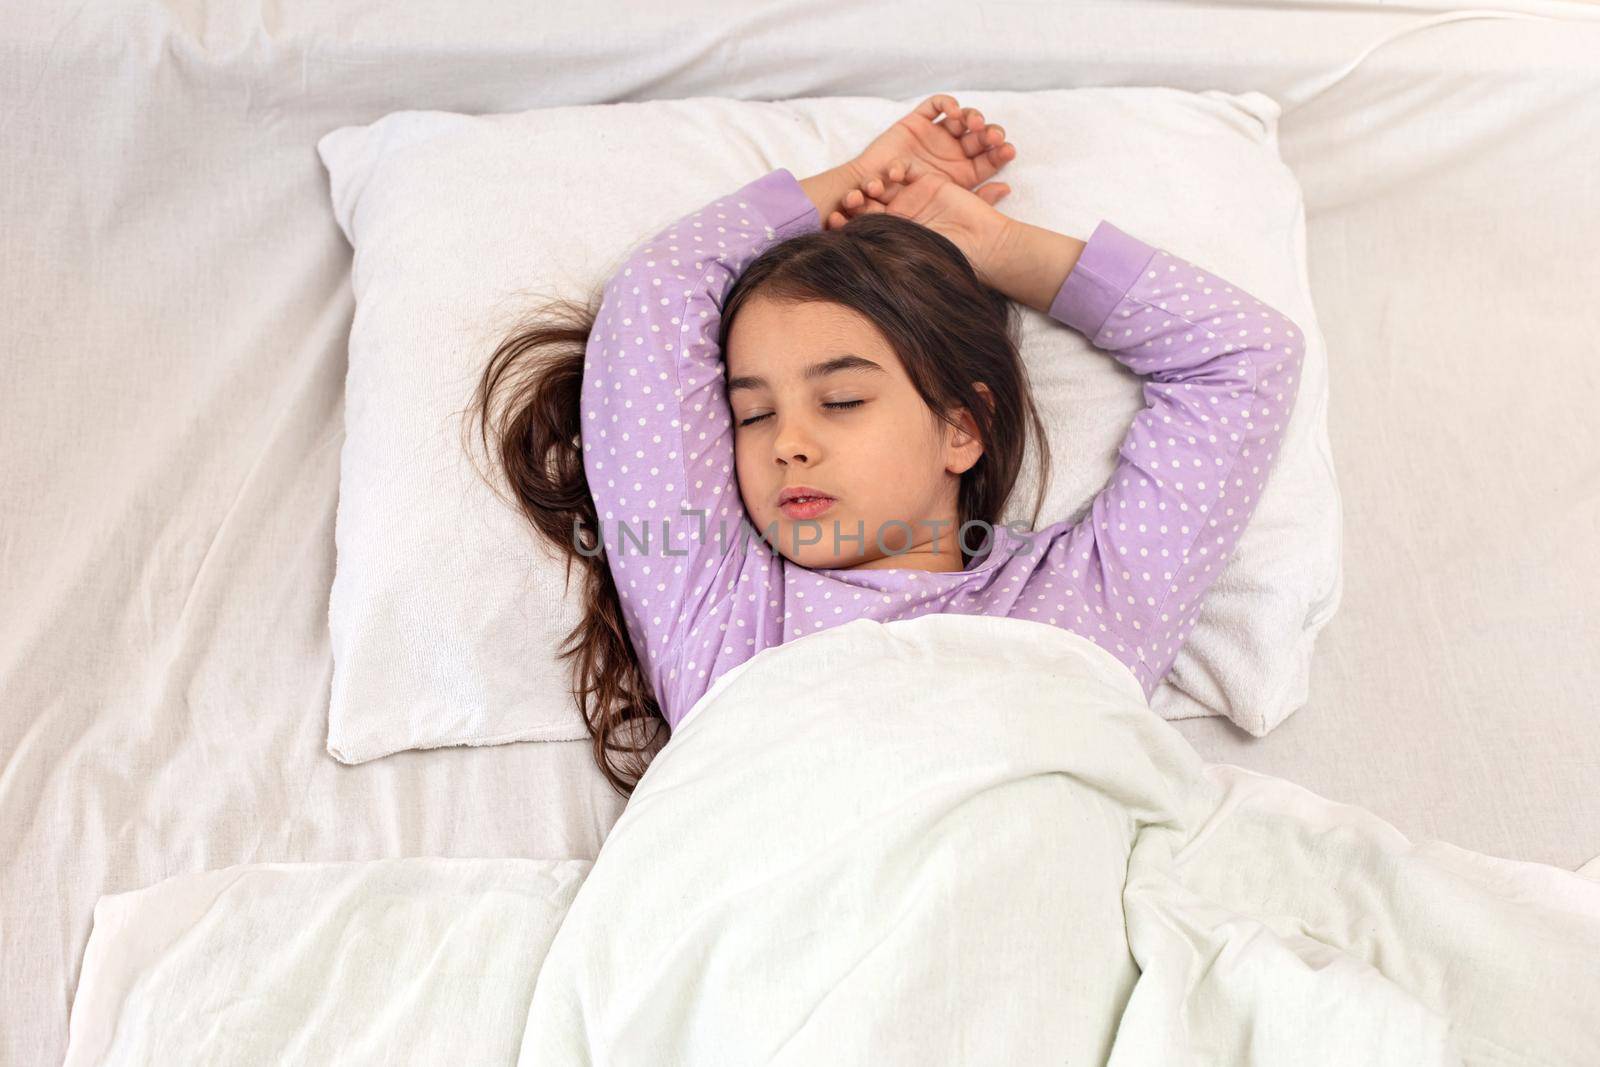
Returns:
(175, 299)
(419, 960)
(969, 839)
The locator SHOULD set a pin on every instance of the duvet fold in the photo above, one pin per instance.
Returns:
(967, 839)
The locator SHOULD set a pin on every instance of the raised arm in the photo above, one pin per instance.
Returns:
(658, 435)
(657, 432)
(1222, 372)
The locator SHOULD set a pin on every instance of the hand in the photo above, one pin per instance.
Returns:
(962, 146)
(938, 133)
(911, 190)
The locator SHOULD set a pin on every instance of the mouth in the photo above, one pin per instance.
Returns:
(804, 504)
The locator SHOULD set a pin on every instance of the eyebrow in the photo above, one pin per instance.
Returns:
(848, 361)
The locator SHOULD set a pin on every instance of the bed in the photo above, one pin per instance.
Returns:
(177, 303)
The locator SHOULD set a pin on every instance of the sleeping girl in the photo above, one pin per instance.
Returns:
(804, 404)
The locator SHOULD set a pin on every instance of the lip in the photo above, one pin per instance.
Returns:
(808, 510)
(790, 492)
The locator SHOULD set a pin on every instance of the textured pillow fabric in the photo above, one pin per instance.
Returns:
(447, 615)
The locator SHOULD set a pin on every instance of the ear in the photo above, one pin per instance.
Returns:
(966, 447)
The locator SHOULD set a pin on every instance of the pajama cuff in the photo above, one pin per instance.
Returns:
(1109, 264)
(780, 201)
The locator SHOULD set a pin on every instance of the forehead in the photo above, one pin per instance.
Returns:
(774, 335)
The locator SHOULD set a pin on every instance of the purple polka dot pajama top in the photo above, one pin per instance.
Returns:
(1220, 370)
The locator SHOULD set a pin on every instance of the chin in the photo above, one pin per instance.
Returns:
(811, 556)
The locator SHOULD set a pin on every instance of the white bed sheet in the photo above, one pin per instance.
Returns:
(176, 299)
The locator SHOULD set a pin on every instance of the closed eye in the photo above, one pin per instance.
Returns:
(837, 405)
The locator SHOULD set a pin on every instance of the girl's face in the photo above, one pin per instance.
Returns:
(820, 399)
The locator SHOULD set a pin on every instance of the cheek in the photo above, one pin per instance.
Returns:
(904, 446)
(746, 473)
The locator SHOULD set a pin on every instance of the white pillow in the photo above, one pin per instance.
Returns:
(446, 616)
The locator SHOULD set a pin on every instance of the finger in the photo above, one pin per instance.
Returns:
(915, 171)
(991, 161)
(892, 171)
(972, 141)
(901, 174)
(835, 220)
(890, 192)
(856, 206)
(936, 105)
(992, 137)
(993, 192)
(868, 203)
(895, 175)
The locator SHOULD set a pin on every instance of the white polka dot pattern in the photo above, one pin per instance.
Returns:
(1221, 372)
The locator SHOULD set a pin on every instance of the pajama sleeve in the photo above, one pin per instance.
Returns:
(1221, 371)
(657, 430)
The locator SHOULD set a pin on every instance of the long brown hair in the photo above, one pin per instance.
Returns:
(949, 329)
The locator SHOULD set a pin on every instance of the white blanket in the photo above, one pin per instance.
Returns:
(968, 839)
(950, 839)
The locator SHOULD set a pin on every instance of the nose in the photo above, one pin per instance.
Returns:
(794, 443)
